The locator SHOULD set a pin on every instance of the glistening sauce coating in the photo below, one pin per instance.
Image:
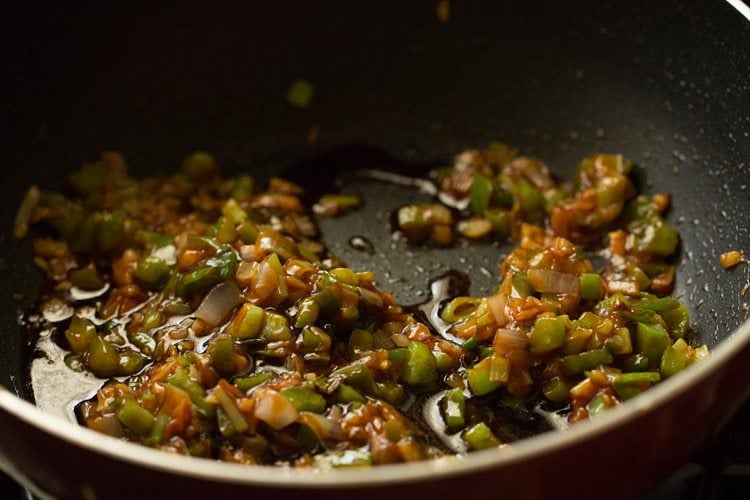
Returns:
(224, 329)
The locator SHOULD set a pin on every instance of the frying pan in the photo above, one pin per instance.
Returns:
(664, 83)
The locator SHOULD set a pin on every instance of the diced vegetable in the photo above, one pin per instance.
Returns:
(151, 271)
(420, 367)
(674, 358)
(304, 399)
(480, 437)
(235, 334)
(629, 385)
(103, 358)
(86, 278)
(578, 363)
(248, 322)
(80, 334)
(547, 335)
(135, 418)
(480, 375)
(591, 286)
(481, 190)
(454, 409)
(652, 341)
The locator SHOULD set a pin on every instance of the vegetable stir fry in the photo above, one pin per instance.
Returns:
(224, 329)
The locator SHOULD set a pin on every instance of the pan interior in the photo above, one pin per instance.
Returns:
(664, 87)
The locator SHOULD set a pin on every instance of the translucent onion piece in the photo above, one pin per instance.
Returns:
(400, 339)
(325, 428)
(274, 409)
(266, 281)
(545, 280)
(496, 304)
(511, 339)
(535, 172)
(219, 303)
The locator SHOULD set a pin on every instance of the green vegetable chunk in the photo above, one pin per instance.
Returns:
(556, 390)
(135, 418)
(421, 367)
(678, 321)
(479, 376)
(675, 358)
(454, 409)
(275, 328)
(151, 271)
(195, 391)
(348, 394)
(591, 286)
(356, 375)
(103, 358)
(86, 278)
(304, 399)
(481, 189)
(480, 437)
(200, 166)
(248, 322)
(307, 313)
(110, 232)
(131, 362)
(243, 188)
(547, 335)
(652, 340)
(80, 334)
(629, 385)
(588, 360)
(221, 354)
(246, 383)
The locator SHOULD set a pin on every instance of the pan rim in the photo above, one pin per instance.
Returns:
(316, 478)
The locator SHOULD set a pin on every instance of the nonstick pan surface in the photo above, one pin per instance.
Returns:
(666, 84)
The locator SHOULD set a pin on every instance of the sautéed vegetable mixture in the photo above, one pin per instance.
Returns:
(222, 328)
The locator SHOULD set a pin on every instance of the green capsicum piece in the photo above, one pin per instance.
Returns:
(421, 367)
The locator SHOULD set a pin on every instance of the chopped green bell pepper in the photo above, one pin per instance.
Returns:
(421, 367)
(304, 399)
(480, 437)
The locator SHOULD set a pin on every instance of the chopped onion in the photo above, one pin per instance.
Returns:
(370, 297)
(274, 409)
(496, 304)
(510, 338)
(106, 424)
(545, 280)
(535, 172)
(326, 429)
(400, 339)
(475, 228)
(219, 303)
(265, 281)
